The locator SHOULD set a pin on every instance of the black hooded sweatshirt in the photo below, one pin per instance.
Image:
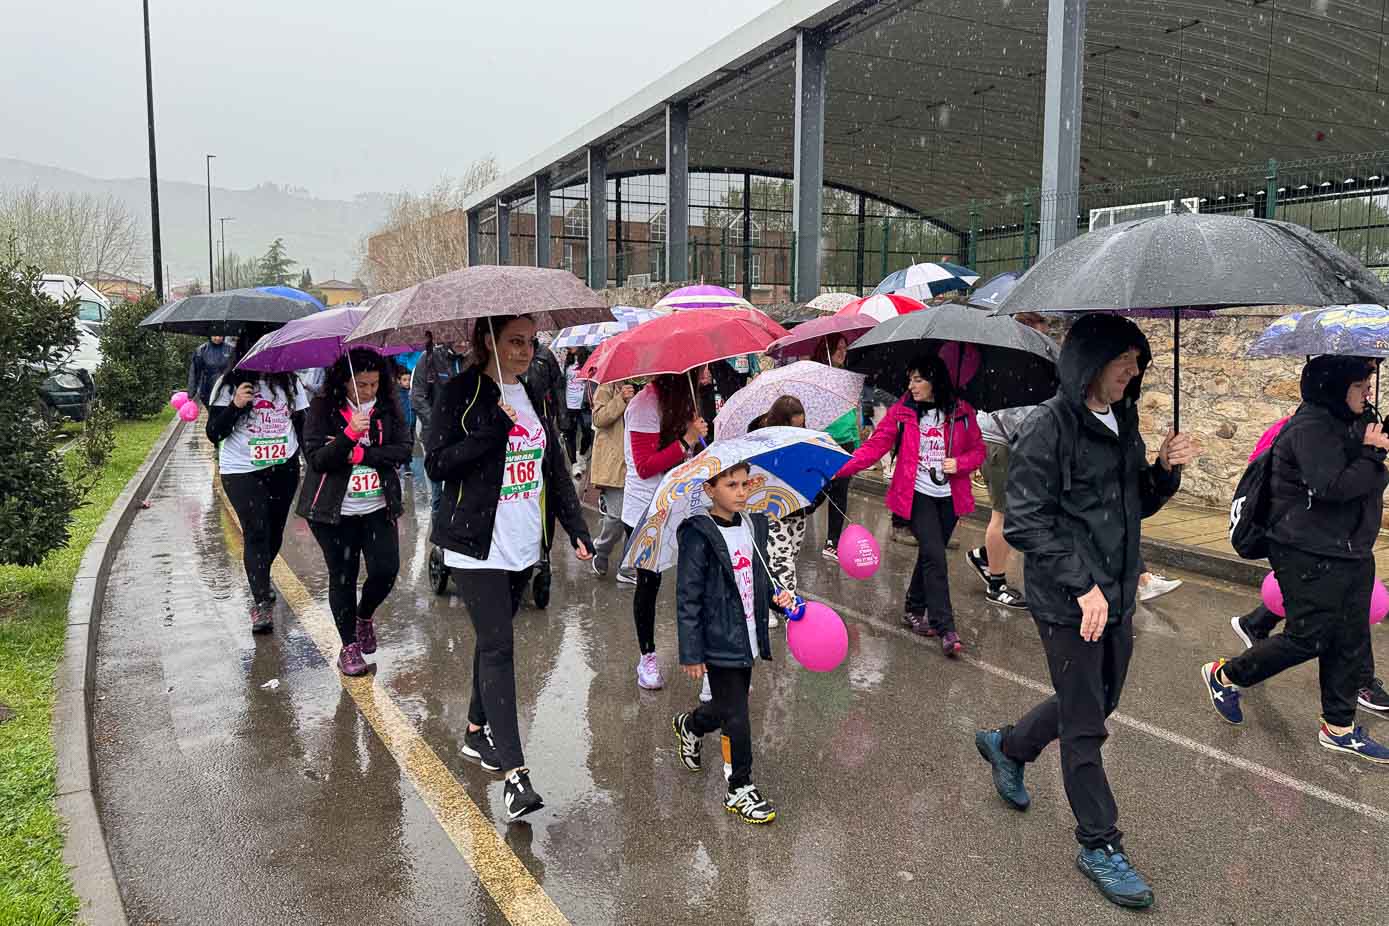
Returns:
(1077, 493)
(1327, 488)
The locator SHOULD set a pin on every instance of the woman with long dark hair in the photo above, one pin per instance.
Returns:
(355, 441)
(502, 466)
(662, 428)
(253, 420)
(938, 445)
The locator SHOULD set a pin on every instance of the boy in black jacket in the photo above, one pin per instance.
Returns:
(722, 596)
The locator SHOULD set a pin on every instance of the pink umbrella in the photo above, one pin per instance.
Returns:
(882, 306)
(811, 338)
(703, 296)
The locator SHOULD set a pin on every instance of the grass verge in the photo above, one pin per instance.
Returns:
(34, 884)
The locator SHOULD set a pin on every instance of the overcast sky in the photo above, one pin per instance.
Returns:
(338, 96)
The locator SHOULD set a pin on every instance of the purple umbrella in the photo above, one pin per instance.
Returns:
(703, 296)
(316, 340)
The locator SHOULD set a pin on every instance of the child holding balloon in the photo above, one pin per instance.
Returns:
(723, 593)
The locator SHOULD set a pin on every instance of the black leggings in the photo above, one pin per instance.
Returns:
(578, 433)
(729, 711)
(493, 597)
(370, 537)
(644, 604)
(262, 501)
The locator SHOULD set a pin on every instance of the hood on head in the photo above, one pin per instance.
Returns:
(1326, 379)
(1092, 342)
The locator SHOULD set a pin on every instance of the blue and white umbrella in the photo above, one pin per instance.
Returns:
(587, 335)
(926, 281)
(1348, 330)
(632, 315)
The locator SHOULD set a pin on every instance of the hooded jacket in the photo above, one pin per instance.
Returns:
(431, 374)
(709, 612)
(466, 451)
(1327, 487)
(328, 452)
(1077, 493)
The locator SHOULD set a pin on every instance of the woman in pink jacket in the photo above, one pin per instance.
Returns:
(938, 445)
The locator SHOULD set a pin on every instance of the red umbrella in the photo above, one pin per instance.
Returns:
(680, 342)
(806, 340)
(882, 306)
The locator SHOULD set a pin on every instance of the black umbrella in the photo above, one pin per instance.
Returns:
(990, 294)
(1192, 264)
(995, 361)
(226, 312)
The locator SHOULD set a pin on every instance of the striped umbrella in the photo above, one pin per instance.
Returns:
(926, 281)
(703, 296)
(882, 307)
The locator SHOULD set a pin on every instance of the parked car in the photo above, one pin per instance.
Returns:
(92, 306)
(67, 392)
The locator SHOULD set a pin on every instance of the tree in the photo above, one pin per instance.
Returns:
(79, 234)
(306, 280)
(240, 272)
(424, 235)
(139, 366)
(275, 265)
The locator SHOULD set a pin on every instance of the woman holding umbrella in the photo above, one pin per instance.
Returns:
(252, 422)
(355, 441)
(502, 466)
(938, 445)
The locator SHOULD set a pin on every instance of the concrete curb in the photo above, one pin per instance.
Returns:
(84, 846)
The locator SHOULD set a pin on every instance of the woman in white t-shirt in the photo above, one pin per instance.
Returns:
(503, 469)
(578, 423)
(252, 422)
(355, 440)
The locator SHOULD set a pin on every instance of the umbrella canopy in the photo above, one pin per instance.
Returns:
(824, 392)
(680, 342)
(447, 306)
(702, 296)
(1350, 330)
(830, 302)
(289, 292)
(992, 292)
(588, 335)
(225, 312)
(789, 466)
(632, 315)
(315, 340)
(807, 340)
(928, 280)
(882, 307)
(994, 361)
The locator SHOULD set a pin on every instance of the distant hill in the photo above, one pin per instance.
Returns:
(321, 234)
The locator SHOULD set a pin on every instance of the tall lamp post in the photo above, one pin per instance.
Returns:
(222, 222)
(211, 281)
(154, 170)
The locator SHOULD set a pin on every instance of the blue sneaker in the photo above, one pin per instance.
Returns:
(1224, 698)
(1115, 876)
(1007, 772)
(1356, 742)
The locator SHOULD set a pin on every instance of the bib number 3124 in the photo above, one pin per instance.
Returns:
(269, 451)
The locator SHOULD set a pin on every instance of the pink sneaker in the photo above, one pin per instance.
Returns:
(950, 644)
(649, 673)
(366, 636)
(350, 661)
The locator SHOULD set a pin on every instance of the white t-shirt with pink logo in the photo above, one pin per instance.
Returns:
(738, 540)
(643, 414)
(264, 436)
(517, 528)
(930, 465)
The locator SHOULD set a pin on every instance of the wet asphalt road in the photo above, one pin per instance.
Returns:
(229, 802)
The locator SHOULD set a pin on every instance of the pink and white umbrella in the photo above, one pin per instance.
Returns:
(703, 296)
(882, 307)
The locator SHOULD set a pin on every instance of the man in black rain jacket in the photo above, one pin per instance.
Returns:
(1079, 485)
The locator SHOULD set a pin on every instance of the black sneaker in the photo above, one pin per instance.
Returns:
(979, 559)
(520, 797)
(478, 746)
(748, 804)
(1004, 594)
(689, 744)
(1374, 697)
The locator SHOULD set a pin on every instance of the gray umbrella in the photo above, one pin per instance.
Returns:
(226, 312)
(1192, 264)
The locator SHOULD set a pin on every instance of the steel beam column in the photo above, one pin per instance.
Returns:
(542, 220)
(503, 232)
(1061, 123)
(809, 165)
(474, 223)
(597, 218)
(677, 191)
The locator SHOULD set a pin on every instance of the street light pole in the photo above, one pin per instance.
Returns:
(154, 170)
(222, 221)
(211, 282)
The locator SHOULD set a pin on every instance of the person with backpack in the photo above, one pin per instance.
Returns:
(439, 364)
(1079, 485)
(1319, 508)
(990, 561)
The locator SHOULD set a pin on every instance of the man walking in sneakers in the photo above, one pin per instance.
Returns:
(1079, 485)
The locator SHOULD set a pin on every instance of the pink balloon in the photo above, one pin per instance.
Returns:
(1379, 602)
(177, 399)
(188, 411)
(1273, 595)
(858, 552)
(819, 640)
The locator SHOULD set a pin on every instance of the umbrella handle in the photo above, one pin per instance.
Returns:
(797, 609)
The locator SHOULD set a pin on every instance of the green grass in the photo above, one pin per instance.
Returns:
(34, 885)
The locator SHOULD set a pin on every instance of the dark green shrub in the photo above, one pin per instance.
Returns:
(140, 367)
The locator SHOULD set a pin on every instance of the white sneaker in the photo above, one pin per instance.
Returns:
(649, 673)
(1157, 587)
(705, 695)
(626, 578)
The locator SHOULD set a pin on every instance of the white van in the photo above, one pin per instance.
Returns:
(92, 306)
(67, 392)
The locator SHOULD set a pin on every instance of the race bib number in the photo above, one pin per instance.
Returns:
(365, 482)
(522, 475)
(269, 451)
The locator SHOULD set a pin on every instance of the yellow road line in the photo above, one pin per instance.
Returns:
(519, 896)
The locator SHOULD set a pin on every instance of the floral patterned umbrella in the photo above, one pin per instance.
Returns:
(825, 392)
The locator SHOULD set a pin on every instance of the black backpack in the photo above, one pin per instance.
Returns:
(1249, 509)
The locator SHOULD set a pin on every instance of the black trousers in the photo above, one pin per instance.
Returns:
(356, 538)
(1328, 603)
(1264, 622)
(1088, 678)
(262, 501)
(644, 604)
(578, 433)
(728, 711)
(933, 521)
(493, 597)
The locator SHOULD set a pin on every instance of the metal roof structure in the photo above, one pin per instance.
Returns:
(934, 102)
